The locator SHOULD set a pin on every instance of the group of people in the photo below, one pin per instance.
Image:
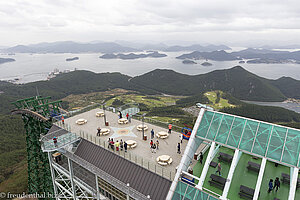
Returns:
(154, 146)
(118, 145)
(128, 116)
(275, 186)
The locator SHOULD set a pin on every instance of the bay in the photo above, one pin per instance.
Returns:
(33, 67)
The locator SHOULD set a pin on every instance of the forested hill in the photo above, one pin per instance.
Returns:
(237, 81)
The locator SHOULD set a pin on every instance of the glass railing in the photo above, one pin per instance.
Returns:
(62, 140)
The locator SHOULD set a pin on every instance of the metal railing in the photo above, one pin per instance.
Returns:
(139, 160)
(158, 123)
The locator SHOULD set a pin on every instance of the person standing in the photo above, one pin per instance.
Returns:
(152, 134)
(127, 115)
(121, 145)
(170, 128)
(112, 144)
(151, 143)
(157, 144)
(98, 131)
(178, 148)
(55, 141)
(270, 185)
(117, 144)
(154, 148)
(125, 146)
(109, 143)
(181, 138)
(129, 118)
(201, 157)
(276, 184)
(219, 169)
(62, 119)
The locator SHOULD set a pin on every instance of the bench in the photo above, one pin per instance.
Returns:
(286, 179)
(216, 184)
(253, 166)
(246, 192)
(225, 157)
(217, 181)
(213, 164)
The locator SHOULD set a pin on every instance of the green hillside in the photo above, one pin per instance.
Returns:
(13, 165)
(236, 81)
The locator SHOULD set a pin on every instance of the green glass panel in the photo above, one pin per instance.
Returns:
(201, 196)
(179, 191)
(236, 131)
(212, 198)
(190, 193)
(248, 135)
(291, 148)
(224, 129)
(262, 139)
(276, 143)
(205, 123)
(215, 123)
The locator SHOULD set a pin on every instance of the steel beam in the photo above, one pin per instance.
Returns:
(259, 179)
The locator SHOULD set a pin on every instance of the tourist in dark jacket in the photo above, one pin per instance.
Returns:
(270, 185)
(276, 184)
(125, 146)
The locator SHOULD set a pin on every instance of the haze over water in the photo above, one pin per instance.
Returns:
(33, 67)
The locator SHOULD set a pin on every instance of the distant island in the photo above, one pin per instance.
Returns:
(214, 55)
(253, 56)
(130, 56)
(71, 59)
(5, 60)
(266, 61)
(188, 62)
(206, 64)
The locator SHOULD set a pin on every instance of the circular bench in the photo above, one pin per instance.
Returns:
(81, 121)
(123, 121)
(104, 131)
(99, 114)
(141, 127)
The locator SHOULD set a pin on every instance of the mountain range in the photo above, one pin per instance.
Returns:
(260, 55)
(105, 47)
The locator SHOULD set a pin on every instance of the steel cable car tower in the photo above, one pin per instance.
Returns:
(37, 114)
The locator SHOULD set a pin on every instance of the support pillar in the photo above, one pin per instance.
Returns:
(235, 160)
(71, 178)
(97, 187)
(259, 179)
(209, 158)
(293, 183)
(52, 176)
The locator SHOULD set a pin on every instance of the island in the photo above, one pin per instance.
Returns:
(5, 60)
(214, 55)
(242, 62)
(130, 56)
(71, 59)
(188, 62)
(206, 64)
(266, 61)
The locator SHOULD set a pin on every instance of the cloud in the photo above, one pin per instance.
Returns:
(47, 20)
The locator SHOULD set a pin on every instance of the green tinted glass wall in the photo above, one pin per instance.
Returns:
(263, 139)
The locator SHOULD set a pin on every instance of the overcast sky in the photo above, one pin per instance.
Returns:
(231, 22)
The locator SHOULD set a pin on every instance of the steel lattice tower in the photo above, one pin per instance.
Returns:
(37, 114)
